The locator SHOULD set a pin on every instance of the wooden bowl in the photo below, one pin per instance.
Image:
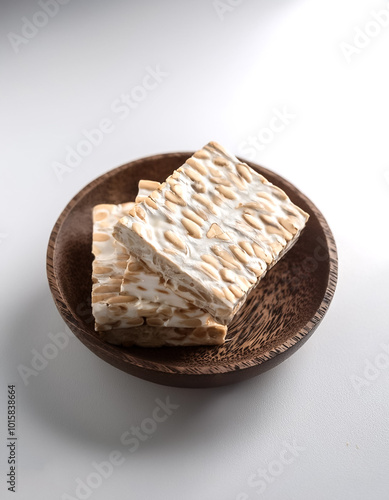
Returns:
(278, 317)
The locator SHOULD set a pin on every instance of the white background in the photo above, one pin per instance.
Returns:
(226, 73)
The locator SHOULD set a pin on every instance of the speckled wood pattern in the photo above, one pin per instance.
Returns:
(279, 315)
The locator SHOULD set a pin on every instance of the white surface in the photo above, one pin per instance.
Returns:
(225, 78)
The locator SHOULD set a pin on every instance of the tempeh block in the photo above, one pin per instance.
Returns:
(212, 230)
(124, 312)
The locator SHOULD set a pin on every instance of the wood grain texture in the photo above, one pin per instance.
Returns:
(279, 316)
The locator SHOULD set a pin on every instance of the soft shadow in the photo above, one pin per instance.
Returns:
(87, 400)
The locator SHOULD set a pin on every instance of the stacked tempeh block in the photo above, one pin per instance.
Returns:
(174, 267)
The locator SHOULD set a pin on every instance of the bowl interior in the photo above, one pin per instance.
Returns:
(278, 313)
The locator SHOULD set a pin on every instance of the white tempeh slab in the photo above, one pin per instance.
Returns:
(120, 309)
(212, 230)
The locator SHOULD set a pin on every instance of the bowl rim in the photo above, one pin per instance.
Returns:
(221, 368)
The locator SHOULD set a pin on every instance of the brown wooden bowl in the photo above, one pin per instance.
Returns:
(278, 317)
